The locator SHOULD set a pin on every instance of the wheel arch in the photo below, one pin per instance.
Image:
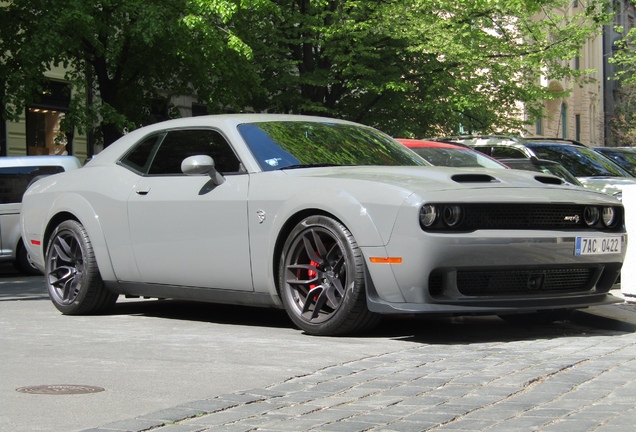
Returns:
(284, 232)
(83, 213)
(358, 218)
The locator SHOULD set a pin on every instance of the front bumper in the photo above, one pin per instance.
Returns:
(489, 273)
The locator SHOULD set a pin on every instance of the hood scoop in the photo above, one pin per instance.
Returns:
(474, 178)
(549, 180)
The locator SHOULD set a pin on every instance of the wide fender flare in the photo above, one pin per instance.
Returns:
(83, 211)
(371, 225)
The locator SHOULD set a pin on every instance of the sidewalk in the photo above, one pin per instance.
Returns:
(582, 382)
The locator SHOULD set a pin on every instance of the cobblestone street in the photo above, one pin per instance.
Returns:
(567, 379)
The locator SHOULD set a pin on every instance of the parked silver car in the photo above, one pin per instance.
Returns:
(16, 173)
(333, 221)
(592, 169)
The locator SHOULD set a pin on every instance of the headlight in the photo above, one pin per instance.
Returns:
(452, 215)
(428, 215)
(591, 216)
(609, 216)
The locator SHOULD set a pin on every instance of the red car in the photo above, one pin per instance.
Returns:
(452, 155)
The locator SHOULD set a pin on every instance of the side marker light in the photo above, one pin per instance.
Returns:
(385, 260)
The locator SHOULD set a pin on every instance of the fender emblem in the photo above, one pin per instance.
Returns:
(261, 216)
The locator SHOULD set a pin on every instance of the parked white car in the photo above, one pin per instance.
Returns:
(16, 173)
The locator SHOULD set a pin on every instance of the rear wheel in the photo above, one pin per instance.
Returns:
(321, 279)
(72, 277)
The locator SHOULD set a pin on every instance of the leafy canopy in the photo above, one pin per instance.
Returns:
(410, 68)
(129, 54)
(623, 124)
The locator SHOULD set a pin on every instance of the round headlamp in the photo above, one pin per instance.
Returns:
(428, 215)
(591, 216)
(609, 216)
(452, 215)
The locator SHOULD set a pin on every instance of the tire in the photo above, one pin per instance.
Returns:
(537, 318)
(321, 279)
(72, 277)
(23, 262)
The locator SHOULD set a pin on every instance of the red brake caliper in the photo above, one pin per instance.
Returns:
(312, 274)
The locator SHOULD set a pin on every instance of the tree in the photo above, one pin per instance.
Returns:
(623, 124)
(417, 67)
(409, 67)
(130, 53)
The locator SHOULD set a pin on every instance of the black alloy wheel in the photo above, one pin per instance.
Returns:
(72, 277)
(321, 277)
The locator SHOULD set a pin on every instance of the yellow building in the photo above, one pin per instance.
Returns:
(578, 116)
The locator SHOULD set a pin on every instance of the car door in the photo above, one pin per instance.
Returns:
(184, 230)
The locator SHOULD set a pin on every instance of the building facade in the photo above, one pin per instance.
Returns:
(579, 115)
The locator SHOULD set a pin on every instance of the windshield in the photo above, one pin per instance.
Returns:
(625, 158)
(580, 161)
(281, 144)
(456, 157)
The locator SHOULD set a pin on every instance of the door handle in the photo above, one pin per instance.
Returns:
(142, 191)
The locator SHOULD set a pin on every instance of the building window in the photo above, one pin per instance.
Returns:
(538, 126)
(577, 127)
(564, 120)
(43, 121)
(44, 136)
(577, 63)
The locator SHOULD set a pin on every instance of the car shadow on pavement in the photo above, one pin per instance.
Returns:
(22, 288)
(204, 312)
(429, 330)
(483, 329)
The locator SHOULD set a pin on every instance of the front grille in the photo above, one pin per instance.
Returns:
(512, 282)
(498, 216)
(508, 216)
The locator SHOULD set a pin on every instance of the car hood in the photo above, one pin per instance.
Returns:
(434, 178)
(448, 183)
(609, 185)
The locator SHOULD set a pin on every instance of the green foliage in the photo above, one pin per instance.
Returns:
(415, 67)
(129, 54)
(410, 68)
(623, 124)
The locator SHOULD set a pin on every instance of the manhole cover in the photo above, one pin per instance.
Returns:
(60, 389)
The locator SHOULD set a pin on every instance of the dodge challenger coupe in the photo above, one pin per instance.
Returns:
(333, 221)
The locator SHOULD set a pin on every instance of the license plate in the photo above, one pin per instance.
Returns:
(597, 245)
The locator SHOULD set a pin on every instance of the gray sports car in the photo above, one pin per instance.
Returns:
(333, 221)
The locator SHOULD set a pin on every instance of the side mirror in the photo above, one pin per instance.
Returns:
(202, 164)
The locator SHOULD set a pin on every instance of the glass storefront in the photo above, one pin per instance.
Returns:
(44, 135)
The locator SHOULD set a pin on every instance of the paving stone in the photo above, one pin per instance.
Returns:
(570, 379)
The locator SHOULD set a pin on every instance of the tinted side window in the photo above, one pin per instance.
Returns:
(15, 180)
(178, 145)
(141, 155)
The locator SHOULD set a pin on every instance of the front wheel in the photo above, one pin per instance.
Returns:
(321, 279)
(72, 277)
